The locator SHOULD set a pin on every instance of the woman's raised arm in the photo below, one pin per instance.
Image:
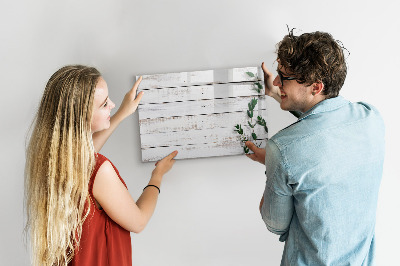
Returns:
(128, 107)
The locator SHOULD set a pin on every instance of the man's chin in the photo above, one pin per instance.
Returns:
(285, 108)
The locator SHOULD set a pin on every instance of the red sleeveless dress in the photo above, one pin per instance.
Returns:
(103, 241)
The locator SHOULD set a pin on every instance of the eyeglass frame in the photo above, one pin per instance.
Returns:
(282, 78)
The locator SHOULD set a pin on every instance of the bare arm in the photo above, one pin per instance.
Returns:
(128, 107)
(116, 201)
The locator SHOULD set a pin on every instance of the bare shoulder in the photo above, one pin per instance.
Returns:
(106, 181)
(114, 198)
(106, 170)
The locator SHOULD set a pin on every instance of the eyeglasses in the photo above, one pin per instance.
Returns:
(282, 78)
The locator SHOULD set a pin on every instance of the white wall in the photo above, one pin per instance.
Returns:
(208, 208)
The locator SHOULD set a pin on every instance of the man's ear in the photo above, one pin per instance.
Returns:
(317, 88)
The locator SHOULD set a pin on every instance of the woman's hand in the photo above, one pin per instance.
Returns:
(131, 101)
(128, 107)
(112, 195)
(270, 89)
(165, 164)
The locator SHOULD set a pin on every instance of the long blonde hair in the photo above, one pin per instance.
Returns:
(59, 161)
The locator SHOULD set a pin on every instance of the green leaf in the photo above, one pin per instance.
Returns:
(258, 87)
(250, 125)
(253, 102)
(261, 121)
(238, 129)
(246, 149)
(254, 136)
(250, 74)
(250, 113)
(266, 129)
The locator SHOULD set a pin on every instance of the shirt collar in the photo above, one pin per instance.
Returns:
(325, 106)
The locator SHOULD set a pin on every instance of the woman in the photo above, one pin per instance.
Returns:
(78, 207)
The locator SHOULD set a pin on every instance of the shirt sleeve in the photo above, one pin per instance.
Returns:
(277, 209)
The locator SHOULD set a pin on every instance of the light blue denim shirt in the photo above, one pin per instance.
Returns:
(323, 176)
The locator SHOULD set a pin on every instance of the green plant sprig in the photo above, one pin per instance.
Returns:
(257, 85)
(243, 137)
(250, 113)
(259, 121)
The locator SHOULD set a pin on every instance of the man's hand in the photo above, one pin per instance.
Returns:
(258, 155)
(270, 89)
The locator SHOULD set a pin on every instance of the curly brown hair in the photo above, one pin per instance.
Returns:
(314, 57)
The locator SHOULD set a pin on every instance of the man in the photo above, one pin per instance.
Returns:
(323, 171)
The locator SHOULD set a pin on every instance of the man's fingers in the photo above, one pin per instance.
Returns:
(251, 156)
(251, 145)
(265, 69)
